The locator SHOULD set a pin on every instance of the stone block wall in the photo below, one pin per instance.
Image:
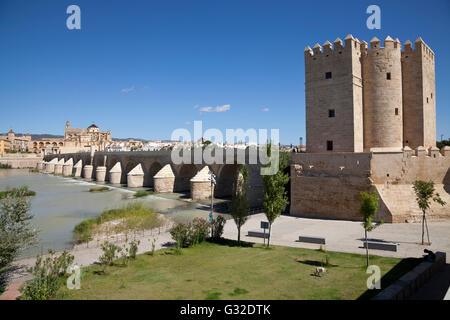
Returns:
(328, 185)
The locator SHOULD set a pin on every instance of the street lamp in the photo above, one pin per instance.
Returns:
(212, 178)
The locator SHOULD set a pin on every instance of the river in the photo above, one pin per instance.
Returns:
(61, 203)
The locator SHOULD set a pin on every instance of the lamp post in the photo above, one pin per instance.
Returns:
(212, 178)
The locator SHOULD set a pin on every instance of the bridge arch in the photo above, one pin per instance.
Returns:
(182, 179)
(154, 168)
(226, 178)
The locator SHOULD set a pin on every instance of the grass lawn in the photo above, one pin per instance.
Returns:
(224, 271)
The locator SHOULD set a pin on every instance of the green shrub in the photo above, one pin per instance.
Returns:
(17, 192)
(186, 235)
(217, 227)
(110, 253)
(152, 253)
(142, 193)
(46, 276)
(133, 249)
(201, 229)
(99, 189)
(5, 166)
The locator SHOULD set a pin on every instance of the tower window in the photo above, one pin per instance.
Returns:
(427, 99)
(329, 145)
(388, 76)
(331, 113)
(396, 111)
(432, 95)
(328, 75)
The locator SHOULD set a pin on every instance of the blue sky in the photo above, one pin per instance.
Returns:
(145, 68)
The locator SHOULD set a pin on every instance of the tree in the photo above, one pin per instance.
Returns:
(16, 231)
(369, 208)
(425, 192)
(441, 144)
(275, 194)
(239, 202)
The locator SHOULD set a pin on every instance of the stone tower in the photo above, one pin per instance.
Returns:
(369, 99)
(333, 80)
(419, 98)
(382, 88)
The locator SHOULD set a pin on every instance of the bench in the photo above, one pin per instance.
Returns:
(386, 246)
(258, 234)
(316, 240)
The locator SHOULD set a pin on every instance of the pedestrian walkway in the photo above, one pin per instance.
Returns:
(347, 236)
(11, 292)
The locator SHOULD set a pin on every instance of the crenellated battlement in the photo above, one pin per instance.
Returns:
(420, 48)
(376, 48)
(432, 152)
(338, 47)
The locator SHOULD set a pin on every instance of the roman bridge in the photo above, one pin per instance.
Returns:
(155, 169)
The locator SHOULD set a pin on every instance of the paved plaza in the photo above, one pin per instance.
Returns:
(347, 236)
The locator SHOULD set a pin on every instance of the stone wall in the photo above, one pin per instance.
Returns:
(328, 185)
(21, 162)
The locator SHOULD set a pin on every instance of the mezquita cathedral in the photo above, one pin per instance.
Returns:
(75, 140)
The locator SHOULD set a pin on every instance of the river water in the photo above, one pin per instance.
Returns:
(61, 203)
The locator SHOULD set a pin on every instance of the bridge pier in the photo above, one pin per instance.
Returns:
(135, 178)
(67, 168)
(87, 172)
(50, 167)
(201, 185)
(59, 167)
(77, 168)
(100, 174)
(115, 173)
(164, 180)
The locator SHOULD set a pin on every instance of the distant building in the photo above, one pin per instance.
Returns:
(13, 142)
(75, 140)
(5, 146)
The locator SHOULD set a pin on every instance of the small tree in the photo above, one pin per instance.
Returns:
(275, 194)
(239, 203)
(369, 208)
(16, 230)
(425, 192)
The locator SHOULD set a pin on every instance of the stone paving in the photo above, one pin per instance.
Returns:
(346, 236)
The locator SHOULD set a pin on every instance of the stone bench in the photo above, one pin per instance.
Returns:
(258, 234)
(386, 246)
(316, 240)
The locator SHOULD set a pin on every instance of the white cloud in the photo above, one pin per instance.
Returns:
(223, 108)
(196, 106)
(127, 90)
(266, 110)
